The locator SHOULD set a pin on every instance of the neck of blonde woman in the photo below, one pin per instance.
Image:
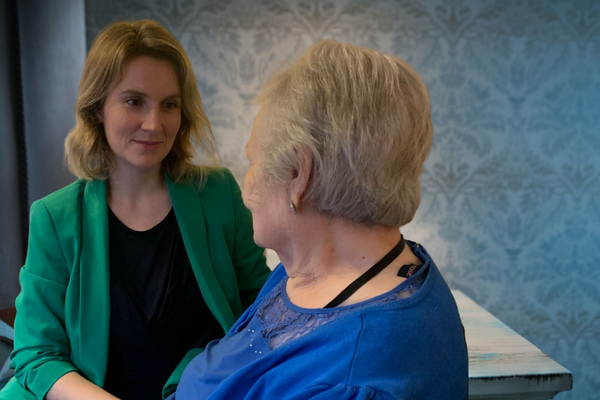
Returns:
(140, 201)
(130, 185)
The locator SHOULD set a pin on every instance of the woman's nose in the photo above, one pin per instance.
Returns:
(152, 120)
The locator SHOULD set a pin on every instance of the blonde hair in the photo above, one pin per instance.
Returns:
(365, 117)
(87, 151)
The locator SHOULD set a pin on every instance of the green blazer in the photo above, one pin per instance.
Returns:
(63, 310)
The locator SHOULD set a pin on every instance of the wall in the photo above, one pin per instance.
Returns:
(510, 206)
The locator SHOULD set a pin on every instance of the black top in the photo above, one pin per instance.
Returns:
(157, 313)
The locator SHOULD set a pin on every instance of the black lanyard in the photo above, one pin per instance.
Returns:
(368, 275)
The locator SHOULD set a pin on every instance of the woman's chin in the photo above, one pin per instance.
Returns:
(264, 241)
(258, 241)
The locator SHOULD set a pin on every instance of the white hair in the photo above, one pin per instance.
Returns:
(365, 117)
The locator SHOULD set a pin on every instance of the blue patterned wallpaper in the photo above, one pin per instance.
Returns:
(511, 191)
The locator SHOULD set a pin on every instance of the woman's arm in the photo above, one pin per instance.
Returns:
(73, 386)
(340, 392)
(41, 357)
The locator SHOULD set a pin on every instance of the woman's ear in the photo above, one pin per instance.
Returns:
(300, 177)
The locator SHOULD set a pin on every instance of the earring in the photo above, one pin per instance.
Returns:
(293, 207)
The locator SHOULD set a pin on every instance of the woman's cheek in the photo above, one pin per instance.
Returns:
(249, 193)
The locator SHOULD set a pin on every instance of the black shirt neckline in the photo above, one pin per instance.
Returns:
(160, 225)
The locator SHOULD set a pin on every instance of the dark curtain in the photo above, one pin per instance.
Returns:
(13, 167)
(42, 51)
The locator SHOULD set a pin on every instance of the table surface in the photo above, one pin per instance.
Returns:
(503, 364)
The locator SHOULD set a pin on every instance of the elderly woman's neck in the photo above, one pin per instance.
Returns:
(323, 247)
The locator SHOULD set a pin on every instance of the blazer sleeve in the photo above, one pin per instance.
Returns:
(248, 259)
(41, 353)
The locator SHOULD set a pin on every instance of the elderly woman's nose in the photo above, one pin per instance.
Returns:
(152, 119)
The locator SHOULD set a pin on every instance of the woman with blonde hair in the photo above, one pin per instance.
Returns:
(147, 257)
(353, 311)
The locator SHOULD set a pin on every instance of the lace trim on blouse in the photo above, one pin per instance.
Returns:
(282, 324)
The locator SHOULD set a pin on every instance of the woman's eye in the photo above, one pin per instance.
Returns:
(171, 105)
(133, 102)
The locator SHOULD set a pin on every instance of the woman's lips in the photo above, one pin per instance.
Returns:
(147, 144)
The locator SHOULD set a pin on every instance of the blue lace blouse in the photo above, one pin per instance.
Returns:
(273, 326)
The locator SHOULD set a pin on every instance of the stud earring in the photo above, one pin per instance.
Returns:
(293, 207)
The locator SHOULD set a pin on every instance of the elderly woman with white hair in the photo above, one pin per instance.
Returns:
(353, 311)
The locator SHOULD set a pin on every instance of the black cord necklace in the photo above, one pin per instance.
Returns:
(368, 275)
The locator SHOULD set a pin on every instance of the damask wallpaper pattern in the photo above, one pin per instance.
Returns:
(511, 192)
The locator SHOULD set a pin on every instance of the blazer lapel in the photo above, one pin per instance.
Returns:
(192, 225)
(94, 282)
